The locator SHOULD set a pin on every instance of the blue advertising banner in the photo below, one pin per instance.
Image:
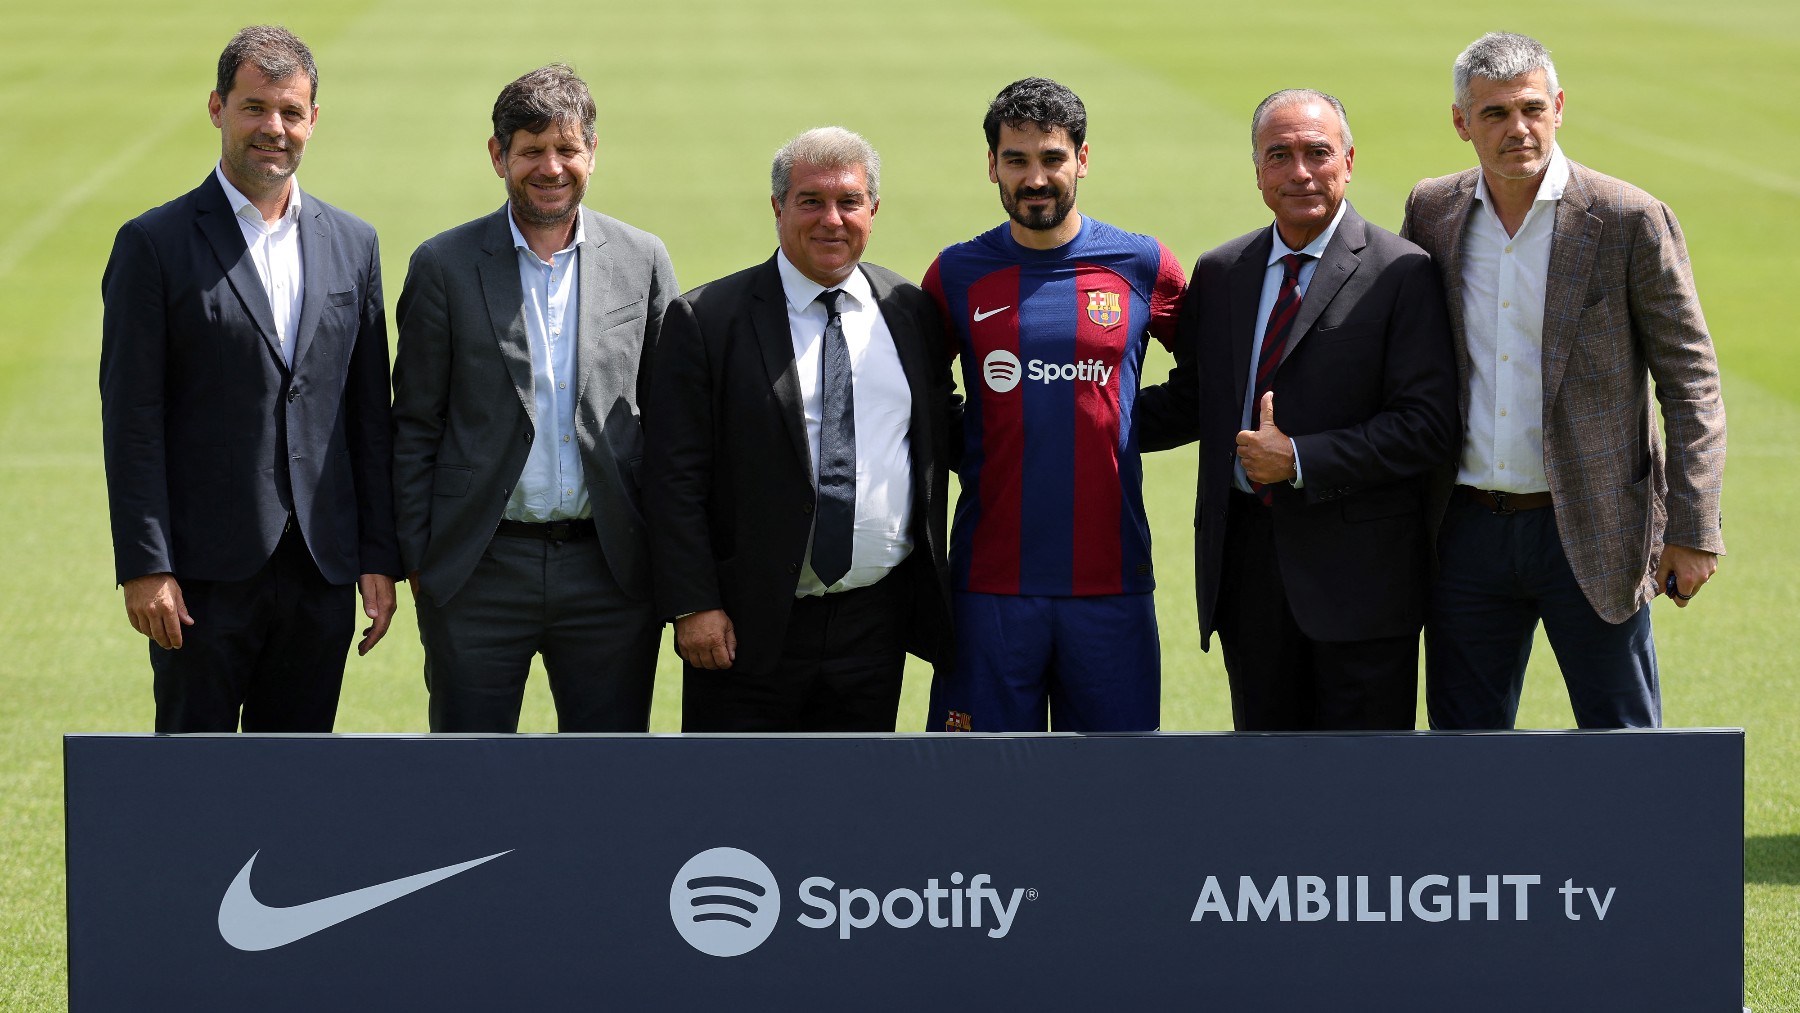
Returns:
(1504, 872)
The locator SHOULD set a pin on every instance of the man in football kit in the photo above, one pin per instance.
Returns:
(1050, 549)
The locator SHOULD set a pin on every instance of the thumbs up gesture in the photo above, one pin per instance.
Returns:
(1266, 452)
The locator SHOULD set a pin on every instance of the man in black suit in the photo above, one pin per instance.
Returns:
(796, 444)
(244, 404)
(1313, 364)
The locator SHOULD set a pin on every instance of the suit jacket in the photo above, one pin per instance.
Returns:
(464, 405)
(211, 440)
(1364, 388)
(1619, 304)
(730, 488)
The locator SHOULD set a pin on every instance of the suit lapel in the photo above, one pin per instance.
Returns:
(1335, 267)
(314, 283)
(220, 227)
(1245, 287)
(505, 299)
(769, 322)
(589, 356)
(1573, 245)
(1443, 237)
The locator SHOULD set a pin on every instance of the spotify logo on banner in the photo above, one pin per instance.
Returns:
(724, 902)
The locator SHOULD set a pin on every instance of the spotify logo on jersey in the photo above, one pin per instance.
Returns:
(1001, 370)
(724, 902)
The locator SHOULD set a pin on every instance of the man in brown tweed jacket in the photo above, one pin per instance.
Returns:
(1570, 297)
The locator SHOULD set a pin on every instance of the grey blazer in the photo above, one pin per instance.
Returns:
(1620, 314)
(464, 405)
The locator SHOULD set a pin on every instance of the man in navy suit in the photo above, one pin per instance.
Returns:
(1313, 364)
(244, 404)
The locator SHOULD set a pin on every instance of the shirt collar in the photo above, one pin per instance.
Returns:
(1556, 179)
(1315, 249)
(520, 244)
(242, 206)
(802, 291)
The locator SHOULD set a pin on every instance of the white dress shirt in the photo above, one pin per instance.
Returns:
(552, 486)
(882, 400)
(275, 250)
(1273, 274)
(1504, 278)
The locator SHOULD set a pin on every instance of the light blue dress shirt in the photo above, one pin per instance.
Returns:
(552, 487)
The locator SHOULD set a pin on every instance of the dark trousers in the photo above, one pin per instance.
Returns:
(1499, 575)
(840, 670)
(531, 596)
(1282, 680)
(271, 647)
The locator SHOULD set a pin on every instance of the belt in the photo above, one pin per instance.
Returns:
(1505, 502)
(552, 531)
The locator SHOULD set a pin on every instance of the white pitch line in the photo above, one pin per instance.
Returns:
(1695, 155)
(26, 238)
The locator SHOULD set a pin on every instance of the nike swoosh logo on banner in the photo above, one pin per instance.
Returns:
(249, 924)
(981, 314)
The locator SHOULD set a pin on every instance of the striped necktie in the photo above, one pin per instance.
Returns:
(1275, 338)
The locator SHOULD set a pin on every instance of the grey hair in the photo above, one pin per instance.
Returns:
(1500, 56)
(826, 147)
(276, 52)
(1294, 96)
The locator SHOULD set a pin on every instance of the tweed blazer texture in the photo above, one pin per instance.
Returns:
(1621, 317)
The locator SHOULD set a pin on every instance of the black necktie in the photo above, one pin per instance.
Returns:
(836, 514)
(1281, 323)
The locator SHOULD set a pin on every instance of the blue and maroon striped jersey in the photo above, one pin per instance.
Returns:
(1052, 342)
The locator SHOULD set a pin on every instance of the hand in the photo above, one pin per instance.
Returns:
(706, 639)
(1266, 453)
(1691, 567)
(378, 604)
(156, 609)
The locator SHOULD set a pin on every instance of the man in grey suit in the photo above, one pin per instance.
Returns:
(244, 405)
(1570, 298)
(526, 339)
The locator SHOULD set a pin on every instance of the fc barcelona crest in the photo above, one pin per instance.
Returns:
(1103, 308)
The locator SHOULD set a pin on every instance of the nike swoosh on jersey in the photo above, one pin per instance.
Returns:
(249, 924)
(981, 314)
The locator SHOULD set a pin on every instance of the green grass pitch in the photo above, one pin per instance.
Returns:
(102, 107)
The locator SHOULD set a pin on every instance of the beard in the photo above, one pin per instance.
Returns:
(271, 174)
(532, 213)
(1038, 219)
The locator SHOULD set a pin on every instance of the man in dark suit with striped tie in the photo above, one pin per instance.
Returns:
(798, 440)
(1313, 364)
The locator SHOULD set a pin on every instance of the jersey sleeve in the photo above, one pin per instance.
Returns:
(1165, 299)
(934, 287)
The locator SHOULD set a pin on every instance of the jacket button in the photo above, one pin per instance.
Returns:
(293, 393)
(793, 567)
(806, 508)
(527, 437)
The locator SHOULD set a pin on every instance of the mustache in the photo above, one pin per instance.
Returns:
(1033, 193)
